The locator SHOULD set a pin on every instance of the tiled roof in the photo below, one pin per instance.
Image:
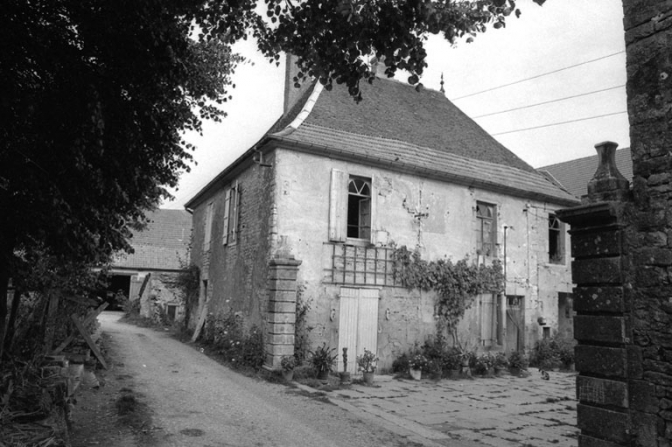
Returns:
(574, 175)
(161, 245)
(406, 129)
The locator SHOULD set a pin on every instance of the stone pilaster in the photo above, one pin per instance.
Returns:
(602, 297)
(281, 312)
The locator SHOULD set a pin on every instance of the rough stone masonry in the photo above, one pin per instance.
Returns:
(622, 245)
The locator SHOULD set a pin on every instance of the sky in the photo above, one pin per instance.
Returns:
(572, 49)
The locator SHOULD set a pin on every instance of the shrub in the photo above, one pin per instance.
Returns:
(517, 359)
(551, 352)
(237, 347)
(401, 364)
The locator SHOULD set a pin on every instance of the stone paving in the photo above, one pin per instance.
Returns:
(503, 411)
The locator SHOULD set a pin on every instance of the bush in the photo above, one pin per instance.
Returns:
(551, 352)
(401, 364)
(239, 348)
(517, 359)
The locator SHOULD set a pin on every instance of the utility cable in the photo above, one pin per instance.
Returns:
(549, 102)
(558, 124)
(537, 76)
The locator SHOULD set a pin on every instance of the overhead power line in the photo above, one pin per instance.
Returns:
(538, 76)
(558, 124)
(549, 102)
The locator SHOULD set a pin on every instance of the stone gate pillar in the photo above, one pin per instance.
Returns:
(281, 316)
(607, 385)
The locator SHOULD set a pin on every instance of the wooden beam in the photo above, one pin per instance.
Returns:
(89, 340)
(86, 321)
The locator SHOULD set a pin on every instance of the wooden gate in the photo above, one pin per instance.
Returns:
(357, 324)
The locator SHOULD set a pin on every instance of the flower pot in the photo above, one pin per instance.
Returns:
(416, 374)
(323, 375)
(454, 374)
(368, 378)
(490, 372)
(514, 371)
(345, 378)
(499, 371)
(288, 375)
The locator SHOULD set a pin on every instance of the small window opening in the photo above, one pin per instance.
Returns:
(359, 208)
(556, 252)
(486, 231)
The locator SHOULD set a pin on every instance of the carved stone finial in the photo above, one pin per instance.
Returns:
(608, 183)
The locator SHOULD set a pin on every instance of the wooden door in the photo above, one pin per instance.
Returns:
(357, 324)
(515, 322)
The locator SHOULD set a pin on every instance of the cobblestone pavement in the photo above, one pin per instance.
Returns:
(504, 411)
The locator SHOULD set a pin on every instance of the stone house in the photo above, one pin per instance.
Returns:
(160, 250)
(320, 202)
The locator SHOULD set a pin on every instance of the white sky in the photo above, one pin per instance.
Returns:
(560, 34)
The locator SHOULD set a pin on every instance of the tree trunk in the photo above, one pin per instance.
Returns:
(11, 324)
(4, 284)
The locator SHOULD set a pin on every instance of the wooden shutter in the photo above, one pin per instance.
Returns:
(227, 204)
(208, 227)
(235, 210)
(347, 328)
(367, 330)
(338, 206)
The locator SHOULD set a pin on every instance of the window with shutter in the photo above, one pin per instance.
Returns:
(207, 222)
(231, 213)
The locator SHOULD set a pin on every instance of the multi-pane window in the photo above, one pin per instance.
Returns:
(359, 208)
(231, 213)
(351, 208)
(486, 231)
(556, 240)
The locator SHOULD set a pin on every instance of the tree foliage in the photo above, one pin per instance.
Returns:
(97, 95)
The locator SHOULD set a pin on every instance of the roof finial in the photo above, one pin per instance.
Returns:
(442, 89)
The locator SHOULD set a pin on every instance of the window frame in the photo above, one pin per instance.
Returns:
(363, 199)
(480, 223)
(559, 255)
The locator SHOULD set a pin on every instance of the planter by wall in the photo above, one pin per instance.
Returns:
(368, 378)
(288, 375)
(416, 374)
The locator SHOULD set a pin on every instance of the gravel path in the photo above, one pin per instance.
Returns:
(195, 401)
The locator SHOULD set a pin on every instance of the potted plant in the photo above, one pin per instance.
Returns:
(566, 355)
(288, 363)
(517, 362)
(367, 364)
(485, 364)
(417, 363)
(501, 362)
(435, 368)
(452, 361)
(323, 359)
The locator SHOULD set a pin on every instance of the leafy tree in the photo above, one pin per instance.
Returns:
(96, 95)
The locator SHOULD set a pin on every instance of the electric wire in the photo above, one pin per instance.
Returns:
(538, 76)
(548, 102)
(558, 123)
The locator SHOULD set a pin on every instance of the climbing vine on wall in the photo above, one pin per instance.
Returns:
(456, 283)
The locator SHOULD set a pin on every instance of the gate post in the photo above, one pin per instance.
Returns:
(605, 354)
(281, 313)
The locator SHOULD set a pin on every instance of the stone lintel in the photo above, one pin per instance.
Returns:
(604, 424)
(597, 271)
(602, 391)
(599, 299)
(600, 360)
(593, 328)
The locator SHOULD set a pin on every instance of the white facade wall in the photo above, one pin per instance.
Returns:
(446, 227)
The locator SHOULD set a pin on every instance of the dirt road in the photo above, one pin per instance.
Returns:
(194, 401)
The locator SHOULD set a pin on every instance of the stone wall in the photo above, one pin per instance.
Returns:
(648, 34)
(237, 273)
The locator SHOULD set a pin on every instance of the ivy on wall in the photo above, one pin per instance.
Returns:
(456, 283)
